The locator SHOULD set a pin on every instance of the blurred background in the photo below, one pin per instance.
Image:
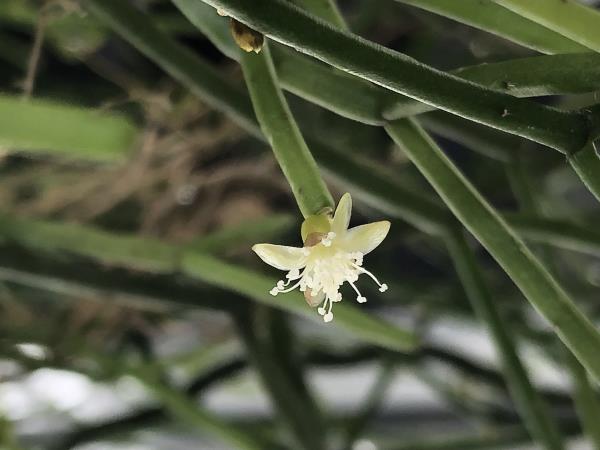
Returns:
(103, 354)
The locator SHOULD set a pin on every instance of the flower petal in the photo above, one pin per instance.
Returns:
(341, 219)
(365, 238)
(281, 256)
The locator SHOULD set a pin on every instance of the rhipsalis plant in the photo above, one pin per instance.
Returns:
(152, 153)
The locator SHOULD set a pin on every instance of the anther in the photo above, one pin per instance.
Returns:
(292, 274)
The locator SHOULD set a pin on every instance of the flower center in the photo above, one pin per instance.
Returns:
(328, 266)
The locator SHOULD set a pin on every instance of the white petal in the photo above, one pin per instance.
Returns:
(281, 256)
(341, 219)
(365, 238)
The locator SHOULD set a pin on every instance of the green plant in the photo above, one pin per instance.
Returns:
(379, 96)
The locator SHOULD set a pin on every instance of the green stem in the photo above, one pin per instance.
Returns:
(571, 19)
(491, 439)
(39, 125)
(564, 131)
(571, 325)
(587, 165)
(158, 46)
(357, 99)
(180, 62)
(587, 400)
(134, 252)
(244, 234)
(530, 405)
(326, 10)
(572, 331)
(181, 407)
(492, 18)
(8, 441)
(486, 141)
(298, 412)
(282, 133)
(373, 402)
(522, 77)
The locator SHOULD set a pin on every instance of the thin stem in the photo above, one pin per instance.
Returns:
(492, 440)
(530, 405)
(326, 10)
(372, 403)
(8, 441)
(571, 19)
(492, 18)
(159, 48)
(587, 401)
(544, 293)
(186, 410)
(180, 62)
(283, 134)
(39, 125)
(295, 407)
(152, 415)
(36, 52)
(522, 77)
(587, 165)
(357, 99)
(563, 131)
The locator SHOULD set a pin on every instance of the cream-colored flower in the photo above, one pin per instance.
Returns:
(332, 255)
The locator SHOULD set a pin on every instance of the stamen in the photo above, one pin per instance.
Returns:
(274, 291)
(358, 258)
(290, 289)
(382, 287)
(293, 274)
(360, 298)
(329, 316)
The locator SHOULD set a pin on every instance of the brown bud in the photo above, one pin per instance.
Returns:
(246, 38)
(313, 239)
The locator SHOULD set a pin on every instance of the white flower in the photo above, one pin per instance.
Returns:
(332, 255)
